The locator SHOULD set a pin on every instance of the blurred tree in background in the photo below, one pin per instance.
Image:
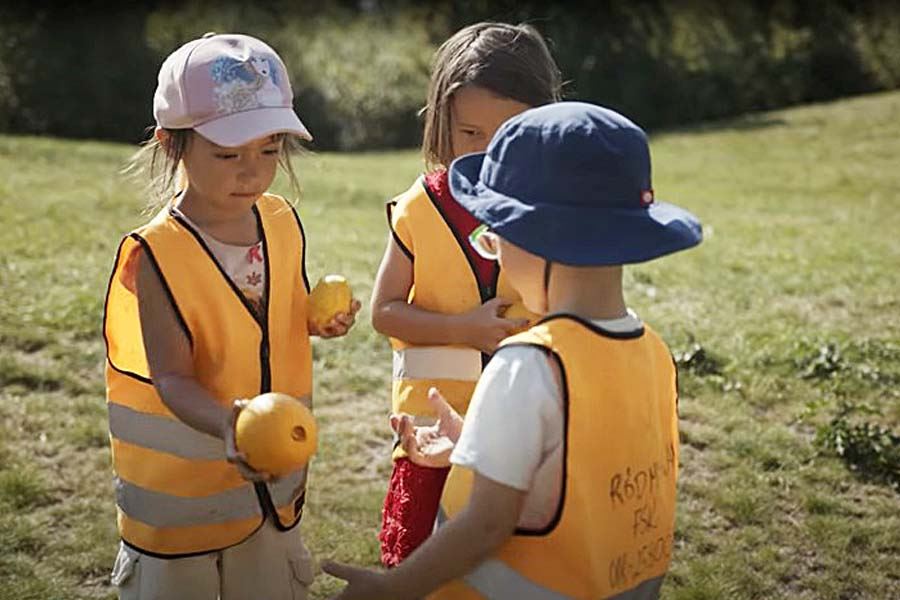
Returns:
(360, 68)
(75, 71)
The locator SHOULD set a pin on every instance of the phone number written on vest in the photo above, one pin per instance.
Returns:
(628, 569)
(638, 490)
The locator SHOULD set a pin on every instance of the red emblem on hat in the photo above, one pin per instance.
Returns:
(647, 197)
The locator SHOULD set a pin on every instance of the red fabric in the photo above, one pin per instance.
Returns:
(410, 508)
(462, 223)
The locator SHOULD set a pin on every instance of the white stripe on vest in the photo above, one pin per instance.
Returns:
(163, 510)
(437, 362)
(495, 580)
(165, 434)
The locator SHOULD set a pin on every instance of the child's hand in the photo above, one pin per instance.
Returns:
(232, 454)
(339, 325)
(362, 584)
(430, 446)
(484, 330)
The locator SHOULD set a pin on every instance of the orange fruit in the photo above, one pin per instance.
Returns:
(517, 310)
(331, 296)
(276, 433)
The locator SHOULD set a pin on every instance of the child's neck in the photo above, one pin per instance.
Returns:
(236, 228)
(590, 293)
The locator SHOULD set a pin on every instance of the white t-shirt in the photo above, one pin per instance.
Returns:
(513, 431)
(244, 265)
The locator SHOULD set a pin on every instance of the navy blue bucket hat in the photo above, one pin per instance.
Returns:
(570, 182)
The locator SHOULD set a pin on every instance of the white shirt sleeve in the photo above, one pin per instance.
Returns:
(514, 420)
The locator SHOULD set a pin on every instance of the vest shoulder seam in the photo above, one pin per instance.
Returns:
(389, 208)
(145, 245)
(616, 335)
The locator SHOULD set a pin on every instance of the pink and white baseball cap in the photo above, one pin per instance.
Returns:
(230, 88)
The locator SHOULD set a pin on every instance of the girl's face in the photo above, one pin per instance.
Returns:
(475, 115)
(229, 180)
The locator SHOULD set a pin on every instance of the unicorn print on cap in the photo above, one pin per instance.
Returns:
(245, 85)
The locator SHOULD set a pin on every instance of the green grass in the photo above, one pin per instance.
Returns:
(802, 251)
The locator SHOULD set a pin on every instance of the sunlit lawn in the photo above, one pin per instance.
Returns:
(802, 221)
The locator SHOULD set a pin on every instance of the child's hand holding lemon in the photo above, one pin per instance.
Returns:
(276, 434)
(518, 312)
(331, 309)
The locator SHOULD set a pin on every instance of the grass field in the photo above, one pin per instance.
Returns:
(790, 308)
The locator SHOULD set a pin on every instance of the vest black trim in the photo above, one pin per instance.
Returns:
(302, 250)
(135, 376)
(140, 378)
(145, 247)
(485, 293)
(269, 510)
(237, 292)
(181, 321)
(389, 208)
(109, 283)
(265, 368)
(262, 320)
(190, 554)
(557, 515)
(265, 383)
(616, 335)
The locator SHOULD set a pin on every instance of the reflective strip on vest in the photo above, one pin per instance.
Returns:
(437, 362)
(647, 590)
(495, 580)
(166, 435)
(163, 434)
(163, 510)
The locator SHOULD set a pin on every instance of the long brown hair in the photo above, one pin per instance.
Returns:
(158, 164)
(512, 61)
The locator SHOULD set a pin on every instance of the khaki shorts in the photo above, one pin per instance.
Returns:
(269, 564)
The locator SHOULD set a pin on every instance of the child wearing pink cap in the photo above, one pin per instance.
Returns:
(206, 307)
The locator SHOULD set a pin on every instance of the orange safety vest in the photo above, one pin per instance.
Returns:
(176, 494)
(444, 282)
(613, 531)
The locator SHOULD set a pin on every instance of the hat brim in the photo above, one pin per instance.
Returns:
(575, 235)
(240, 128)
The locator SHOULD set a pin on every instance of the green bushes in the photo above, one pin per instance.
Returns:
(360, 82)
(360, 69)
(76, 73)
(667, 63)
(358, 78)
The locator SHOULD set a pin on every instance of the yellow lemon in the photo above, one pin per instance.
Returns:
(331, 296)
(276, 433)
(517, 310)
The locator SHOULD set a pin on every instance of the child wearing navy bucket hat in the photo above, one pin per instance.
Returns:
(564, 469)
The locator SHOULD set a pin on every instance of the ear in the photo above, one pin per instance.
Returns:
(164, 138)
(167, 140)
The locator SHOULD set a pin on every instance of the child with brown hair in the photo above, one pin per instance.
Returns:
(438, 300)
(207, 306)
